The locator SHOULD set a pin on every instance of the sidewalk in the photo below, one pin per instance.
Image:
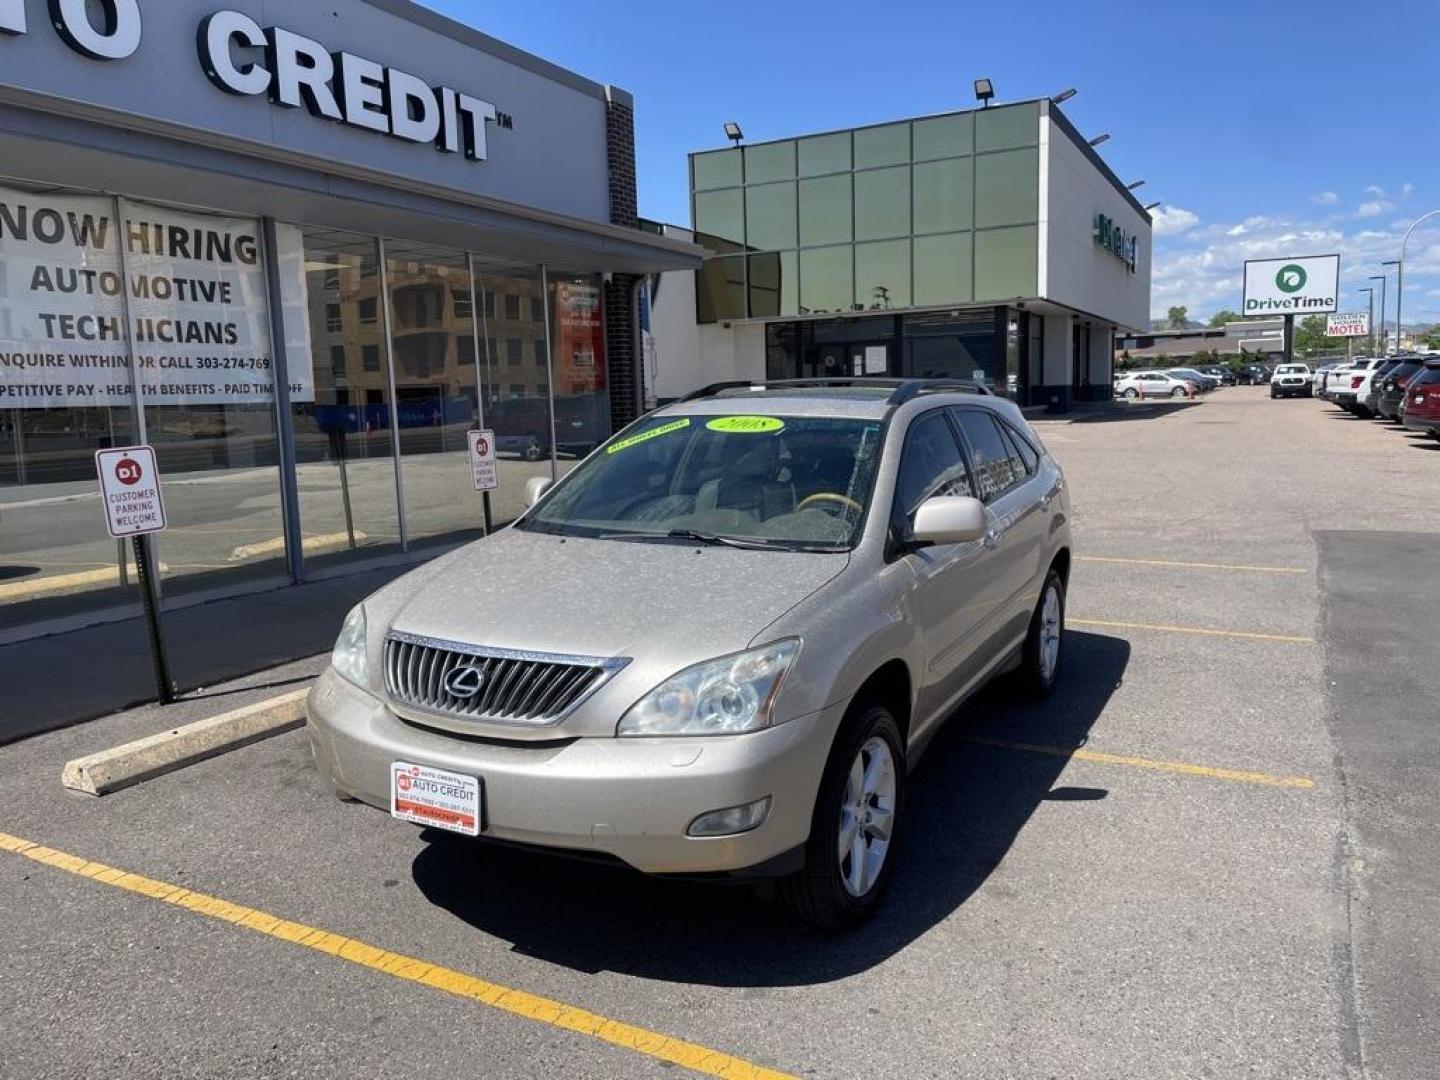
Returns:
(57, 681)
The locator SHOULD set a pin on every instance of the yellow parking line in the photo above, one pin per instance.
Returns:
(1203, 630)
(1195, 565)
(1080, 754)
(688, 1055)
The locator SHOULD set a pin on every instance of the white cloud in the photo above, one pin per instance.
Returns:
(1325, 198)
(1376, 190)
(1406, 190)
(1372, 209)
(1170, 220)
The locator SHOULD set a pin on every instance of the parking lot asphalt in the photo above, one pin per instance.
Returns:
(1211, 854)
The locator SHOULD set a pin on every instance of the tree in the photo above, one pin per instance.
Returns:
(1310, 337)
(1177, 317)
(1223, 316)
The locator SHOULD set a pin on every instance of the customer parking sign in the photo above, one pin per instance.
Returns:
(130, 490)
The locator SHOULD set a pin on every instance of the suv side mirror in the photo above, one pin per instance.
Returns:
(949, 519)
(535, 489)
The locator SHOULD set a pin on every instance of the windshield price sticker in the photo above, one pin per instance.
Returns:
(435, 797)
(646, 436)
(747, 425)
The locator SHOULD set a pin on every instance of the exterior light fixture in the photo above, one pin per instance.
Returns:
(1063, 95)
(1098, 139)
(984, 91)
(1136, 184)
(1151, 206)
(733, 132)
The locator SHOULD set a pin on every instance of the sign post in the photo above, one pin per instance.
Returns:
(134, 508)
(483, 469)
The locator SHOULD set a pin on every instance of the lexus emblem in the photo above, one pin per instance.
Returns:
(464, 682)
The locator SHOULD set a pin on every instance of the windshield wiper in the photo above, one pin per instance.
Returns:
(755, 543)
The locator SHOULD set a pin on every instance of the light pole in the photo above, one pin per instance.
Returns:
(1400, 273)
(1383, 336)
(1371, 324)
(1384, 341)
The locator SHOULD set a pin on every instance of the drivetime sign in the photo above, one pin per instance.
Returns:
(1299, 286)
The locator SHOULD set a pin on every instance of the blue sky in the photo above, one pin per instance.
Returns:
(1266, 129)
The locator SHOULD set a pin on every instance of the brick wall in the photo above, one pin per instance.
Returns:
(622, 339)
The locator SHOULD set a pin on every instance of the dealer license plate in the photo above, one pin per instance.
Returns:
(423, 795)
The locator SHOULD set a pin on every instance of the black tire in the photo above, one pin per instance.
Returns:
(1273, 394)
(817, 896)
(1031, 679)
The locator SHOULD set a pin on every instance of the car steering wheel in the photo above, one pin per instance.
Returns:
(830, 496)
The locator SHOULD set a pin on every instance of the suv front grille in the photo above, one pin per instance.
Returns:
(510, 687)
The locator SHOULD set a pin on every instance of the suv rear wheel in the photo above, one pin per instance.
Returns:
(850, 853)
(1040, 663)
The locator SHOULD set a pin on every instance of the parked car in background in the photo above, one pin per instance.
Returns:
(1153, 384)
(1392, 390)
(1367, 394)
(1292, 380)
(1203, 383)
(1223, 375)
(1343, 385)
(1422, 400)
(1253, 375)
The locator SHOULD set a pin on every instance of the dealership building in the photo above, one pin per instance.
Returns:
(993, 244)
(300, 249)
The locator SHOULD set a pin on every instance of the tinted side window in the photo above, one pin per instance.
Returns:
(931, 465)
(1028, 454)
(997, 465)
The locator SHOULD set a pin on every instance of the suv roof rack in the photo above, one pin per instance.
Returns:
(901, 390)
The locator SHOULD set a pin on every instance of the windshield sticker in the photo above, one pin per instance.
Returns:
(646, 436)
(747, 425)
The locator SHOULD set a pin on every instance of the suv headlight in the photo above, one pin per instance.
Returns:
(728, 696)
(348, 657)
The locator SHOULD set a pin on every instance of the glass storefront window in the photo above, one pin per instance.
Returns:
(882, 275)
(582, 392)
(720, 289)
(942, 269)
(876, 146)
(774, 284)
(769, 161)
(944, 346)
(1007, 188)
(721, 213)
(1007, 126)
(825, 216)
(1006, 263)
(821, 154)
(944, 136)
(882, 203)
(345, 463)
(716, 169)
(944, 195)
(770, 216)
(827, 280)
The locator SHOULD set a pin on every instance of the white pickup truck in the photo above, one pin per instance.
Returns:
(1291, 380)
(1343, 385)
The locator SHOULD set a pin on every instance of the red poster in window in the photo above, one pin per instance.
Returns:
(580, 339)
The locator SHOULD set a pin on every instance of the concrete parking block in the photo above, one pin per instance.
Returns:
(144, 759)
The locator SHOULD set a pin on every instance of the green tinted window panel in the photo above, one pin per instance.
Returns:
(770, 216)
(719, 168)
(944, 136)
(720, 289)
(774, 284)
(1006, 263)
(827, 280)
(882, 203)
(882, 275)
(888, 145)
(822, 154)
(944, 195)
(942, 269)
(769, 161)
(721, 213)
(1007, 188)
(825, 211)
(1008, 126)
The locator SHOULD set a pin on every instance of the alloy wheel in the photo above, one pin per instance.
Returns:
(1050, 634)
(867, 816)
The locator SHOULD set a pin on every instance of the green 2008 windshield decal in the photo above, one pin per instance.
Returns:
(646, 436)
(747, 425)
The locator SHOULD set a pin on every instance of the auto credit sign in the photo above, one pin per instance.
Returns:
(1299, 286)
(1347, 325)
(130, 490)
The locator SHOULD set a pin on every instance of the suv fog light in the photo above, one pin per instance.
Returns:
(731, 821)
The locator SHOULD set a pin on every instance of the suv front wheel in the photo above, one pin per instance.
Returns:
(850, 853)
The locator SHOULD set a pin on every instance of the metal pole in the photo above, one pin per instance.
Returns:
(394, 398)
(284, 425)
(477, 316)
(1400, 273)
(1384, 338)
(1289, 353)
(550, 372)
(1370, 341)
(145, 570)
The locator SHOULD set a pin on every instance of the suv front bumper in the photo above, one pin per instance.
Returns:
(630, 798)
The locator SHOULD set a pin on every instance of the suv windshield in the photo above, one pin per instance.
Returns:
(798, 483)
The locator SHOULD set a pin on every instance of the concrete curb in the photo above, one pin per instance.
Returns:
(135, 762)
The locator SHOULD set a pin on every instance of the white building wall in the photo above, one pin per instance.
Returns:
(1074, 270)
